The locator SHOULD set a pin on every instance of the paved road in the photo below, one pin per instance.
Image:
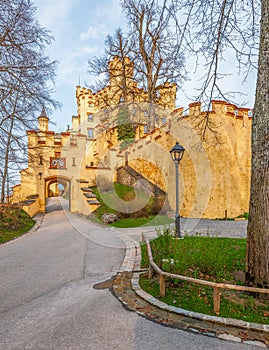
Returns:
(47, 299)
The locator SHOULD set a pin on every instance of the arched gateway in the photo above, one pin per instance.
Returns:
(57, 186)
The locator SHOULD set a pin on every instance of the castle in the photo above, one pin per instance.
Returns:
(214, 175)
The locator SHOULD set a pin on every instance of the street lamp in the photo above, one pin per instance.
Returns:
(177, 154)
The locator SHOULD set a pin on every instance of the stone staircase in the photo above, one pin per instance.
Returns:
(159, 135)
(87, 197)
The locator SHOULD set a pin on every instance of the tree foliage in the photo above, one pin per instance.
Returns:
(26, 74)
(125, 128)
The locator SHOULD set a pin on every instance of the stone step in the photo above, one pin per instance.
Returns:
(82, 181)
(89, 195)
(86, 189)
(95, 202)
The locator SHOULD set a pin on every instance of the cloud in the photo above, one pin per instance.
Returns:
(106, 19)
(94, 32)
(79, 30)
(52, 14)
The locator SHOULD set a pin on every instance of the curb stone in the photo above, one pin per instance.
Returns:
(127, 289)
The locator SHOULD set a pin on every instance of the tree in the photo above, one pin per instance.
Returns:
(158, 55)
(210, 29)
(114, 67)
(153, 47)
(25, 74)
(257, 271)
(125, 129)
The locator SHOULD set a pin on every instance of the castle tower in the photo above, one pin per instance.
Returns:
(121, 71)
(43, 121)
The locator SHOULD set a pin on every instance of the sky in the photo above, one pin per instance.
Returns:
(79, 30)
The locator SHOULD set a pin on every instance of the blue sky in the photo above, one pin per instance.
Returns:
(79, 30)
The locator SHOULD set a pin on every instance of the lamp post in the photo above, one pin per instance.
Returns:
(177, 154)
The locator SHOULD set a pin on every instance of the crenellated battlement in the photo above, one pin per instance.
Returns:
(223, 108)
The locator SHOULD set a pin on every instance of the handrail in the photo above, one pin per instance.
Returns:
(215, 285)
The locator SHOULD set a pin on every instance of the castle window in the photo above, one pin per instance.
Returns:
(41, 141)
(40, 160)
(74, 161)
(73, 141)
(90, 117)
(91, 133)
(146, 129)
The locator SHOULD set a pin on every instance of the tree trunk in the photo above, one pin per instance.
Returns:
(257, 257)
(6, 162)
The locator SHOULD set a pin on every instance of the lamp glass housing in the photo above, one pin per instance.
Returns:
(177, 152)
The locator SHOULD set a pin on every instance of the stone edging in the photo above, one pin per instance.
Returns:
(198, 316)
(132, 263)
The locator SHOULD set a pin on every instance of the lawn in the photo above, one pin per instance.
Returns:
(14, 222)
(209, 258)
(147, 215)
(144, 221)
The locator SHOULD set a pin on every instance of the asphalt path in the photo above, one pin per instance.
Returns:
(48, 300)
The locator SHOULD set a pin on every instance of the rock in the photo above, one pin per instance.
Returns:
(240, 276)
(229, 337)
(109, 218)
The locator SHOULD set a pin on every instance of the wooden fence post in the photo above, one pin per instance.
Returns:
(162, 286)
(217, 300)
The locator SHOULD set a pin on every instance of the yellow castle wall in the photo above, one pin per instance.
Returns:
(214, 174)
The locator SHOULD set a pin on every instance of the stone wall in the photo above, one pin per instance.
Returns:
(129, 177)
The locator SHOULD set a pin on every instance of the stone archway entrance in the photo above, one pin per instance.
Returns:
(57, 193)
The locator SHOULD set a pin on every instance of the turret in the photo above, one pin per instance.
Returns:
(43, 121)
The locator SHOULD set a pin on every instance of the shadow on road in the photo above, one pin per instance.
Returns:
(56, 203)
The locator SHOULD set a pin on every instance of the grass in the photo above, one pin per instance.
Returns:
(104, 207)
(14, 222)
(144, 221)
(144, 216)
(208, 258)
